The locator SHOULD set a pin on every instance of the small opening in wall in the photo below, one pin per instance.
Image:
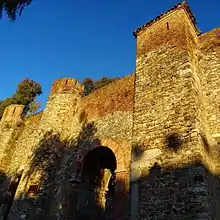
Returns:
(33, 189)
(9, 196)
(14, 110)
(66, 82)
(168, 27)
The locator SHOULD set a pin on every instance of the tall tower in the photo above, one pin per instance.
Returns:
(167, 89)
(168, 120)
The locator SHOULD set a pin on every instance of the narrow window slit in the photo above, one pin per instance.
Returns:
(13, 110)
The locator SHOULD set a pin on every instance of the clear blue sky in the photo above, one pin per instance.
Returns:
(78, 39)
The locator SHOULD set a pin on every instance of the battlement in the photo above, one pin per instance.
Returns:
(66, 85)
(173, 29)
(181, 6)
(13, 113)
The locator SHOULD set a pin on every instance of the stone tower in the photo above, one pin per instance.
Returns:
(170, 118)
(65, 97)
(167, 96)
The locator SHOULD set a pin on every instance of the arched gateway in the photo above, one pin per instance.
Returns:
(98, 191)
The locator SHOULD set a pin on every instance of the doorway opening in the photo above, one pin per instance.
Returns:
(98, 175)
(10, 194)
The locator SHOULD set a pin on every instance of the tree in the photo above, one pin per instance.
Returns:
(104, 81)
(25, 94)
(13, 7)
(33, 107)
(90, 85)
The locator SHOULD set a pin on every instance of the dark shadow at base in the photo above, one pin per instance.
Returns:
(54, 187)
(186, 193)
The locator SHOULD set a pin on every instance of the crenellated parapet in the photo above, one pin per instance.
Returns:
(66, 85)
(65, 96)
(13, 113)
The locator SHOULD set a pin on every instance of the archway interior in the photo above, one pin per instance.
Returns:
(95, 162)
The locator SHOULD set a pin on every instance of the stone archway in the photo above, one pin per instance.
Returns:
(116, 148)
(97, 160)
(97, 176)
(116, 181)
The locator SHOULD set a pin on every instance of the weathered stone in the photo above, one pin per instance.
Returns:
(155, 133)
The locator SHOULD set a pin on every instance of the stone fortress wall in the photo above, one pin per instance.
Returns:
(157, 130)
(70, 126)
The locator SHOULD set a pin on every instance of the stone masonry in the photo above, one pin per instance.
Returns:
(143, 147)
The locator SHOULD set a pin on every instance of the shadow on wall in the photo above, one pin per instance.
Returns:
(8, 187)
(5, 196)
(186, 192)
(55, 186)
(173, 141)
